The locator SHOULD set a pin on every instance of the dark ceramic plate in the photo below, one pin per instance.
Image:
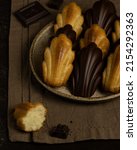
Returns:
(36, 58)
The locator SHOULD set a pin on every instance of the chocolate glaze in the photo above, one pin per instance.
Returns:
(102, 13)
(87, 70)
(68, 30)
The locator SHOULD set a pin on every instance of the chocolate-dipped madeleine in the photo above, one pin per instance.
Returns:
(102, 13)
(86, 74)
(68, 31)
(97, 35)
(57, 64)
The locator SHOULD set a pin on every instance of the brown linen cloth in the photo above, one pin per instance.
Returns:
(86, 121)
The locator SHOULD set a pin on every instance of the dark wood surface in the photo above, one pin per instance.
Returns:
(4, 142)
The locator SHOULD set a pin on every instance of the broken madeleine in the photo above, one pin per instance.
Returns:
(30, 116)
(58, 58)
(97, 35)
(111, 74)
(71, 14)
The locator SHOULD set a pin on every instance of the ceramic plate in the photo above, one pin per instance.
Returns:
(36, 58)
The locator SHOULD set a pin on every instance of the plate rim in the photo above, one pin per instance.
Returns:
(70, 97)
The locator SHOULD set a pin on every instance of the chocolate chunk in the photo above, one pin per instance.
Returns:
(68, 31)
(54, 4)
(87, 71)
(60, 131)
(31, 13)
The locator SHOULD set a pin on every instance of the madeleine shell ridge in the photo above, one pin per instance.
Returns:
(71, 14)
(58, 58)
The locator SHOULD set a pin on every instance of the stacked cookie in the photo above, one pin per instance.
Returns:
(58, 58)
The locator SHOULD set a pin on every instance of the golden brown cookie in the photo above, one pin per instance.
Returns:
(58, 58)
(30, 116)
(71, 14)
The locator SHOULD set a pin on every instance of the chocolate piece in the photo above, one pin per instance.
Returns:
(87, 70)
(68, 30)
(55, 4)
(60, 131)
(102, 13)
(31, 13)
